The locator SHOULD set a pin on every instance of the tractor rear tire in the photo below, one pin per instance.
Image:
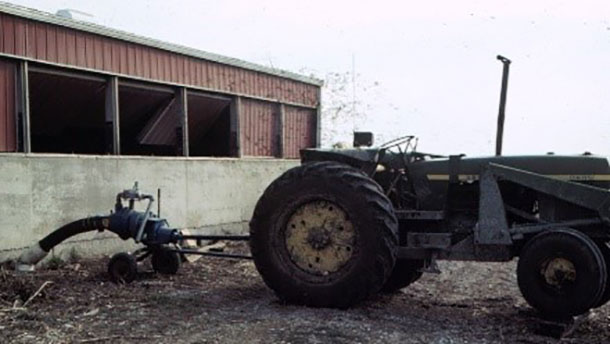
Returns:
(324, 235)
(406, 271)
(561, 273)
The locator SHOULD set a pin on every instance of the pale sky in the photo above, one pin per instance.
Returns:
(434, 61)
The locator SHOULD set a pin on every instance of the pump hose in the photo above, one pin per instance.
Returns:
(73, 228)
(37, 252)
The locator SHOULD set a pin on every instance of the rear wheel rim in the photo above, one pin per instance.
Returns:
(320, 237)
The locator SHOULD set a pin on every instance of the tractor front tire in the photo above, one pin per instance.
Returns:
(324, 235)
(561, 273)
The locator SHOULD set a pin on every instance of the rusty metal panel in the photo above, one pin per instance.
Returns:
(137, 61)
(167, 67)
(71, 50)
(248, 80)
(161, 66)
(195, 72)
(218, 75)
(147, 63)
(2, 18)
(89, 52)
(107, 55)
(230, 79)
(173, 68)
(8, 141)
(115, 64)
(222, 78)
(213, 76)
(259, 127)
(123, 58)
(98, 53)
(62, 56)
(131, 59)
(180, 69)
(154, 65)
(41, 42)
(200, 73)
(262, 84)
(8, 34)
(239, 81)
(299, 130)
(20, 37)
(51, 44)
(31, 40)
(186, 70)
(190, 71)
(79, 45)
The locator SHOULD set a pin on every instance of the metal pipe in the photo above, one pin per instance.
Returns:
(500, 132)
(212, 254)
(216, 237)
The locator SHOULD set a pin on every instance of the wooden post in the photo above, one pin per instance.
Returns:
(184, 119)
(112, 115)
(23, 108)
(235, 134)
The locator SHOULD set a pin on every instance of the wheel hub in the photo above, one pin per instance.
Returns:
(319, 237)
(558, 272)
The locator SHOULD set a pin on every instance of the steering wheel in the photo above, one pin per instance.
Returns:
(404, 140)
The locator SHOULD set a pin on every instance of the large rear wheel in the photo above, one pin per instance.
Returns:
(561, 273)
(324, 235)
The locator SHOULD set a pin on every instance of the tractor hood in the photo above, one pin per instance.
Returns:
(365, 159)
(567, 167)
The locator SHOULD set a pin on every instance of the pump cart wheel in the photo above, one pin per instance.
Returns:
(165, 262)
(561, 273)
(406, 271)
(603, 246)
(122, 268)
(324, 234)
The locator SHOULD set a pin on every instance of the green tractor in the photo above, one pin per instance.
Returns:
(347, 224)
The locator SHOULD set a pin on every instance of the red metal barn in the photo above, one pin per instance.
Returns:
(73, 87)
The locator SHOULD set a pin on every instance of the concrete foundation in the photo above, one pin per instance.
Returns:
(39, 193)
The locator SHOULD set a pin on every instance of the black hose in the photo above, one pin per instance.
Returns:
(73, 228)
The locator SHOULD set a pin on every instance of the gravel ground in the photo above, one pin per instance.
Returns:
(225, 301)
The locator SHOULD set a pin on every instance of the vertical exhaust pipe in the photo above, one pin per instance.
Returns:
(500, 132)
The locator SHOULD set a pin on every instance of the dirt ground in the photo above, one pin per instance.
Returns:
(225, 301)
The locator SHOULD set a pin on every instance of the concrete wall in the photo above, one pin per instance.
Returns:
(40, 192)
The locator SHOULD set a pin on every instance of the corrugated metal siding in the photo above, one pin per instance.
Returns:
(8, 142)
(299, 130)
(259, 128)
(67, 46)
